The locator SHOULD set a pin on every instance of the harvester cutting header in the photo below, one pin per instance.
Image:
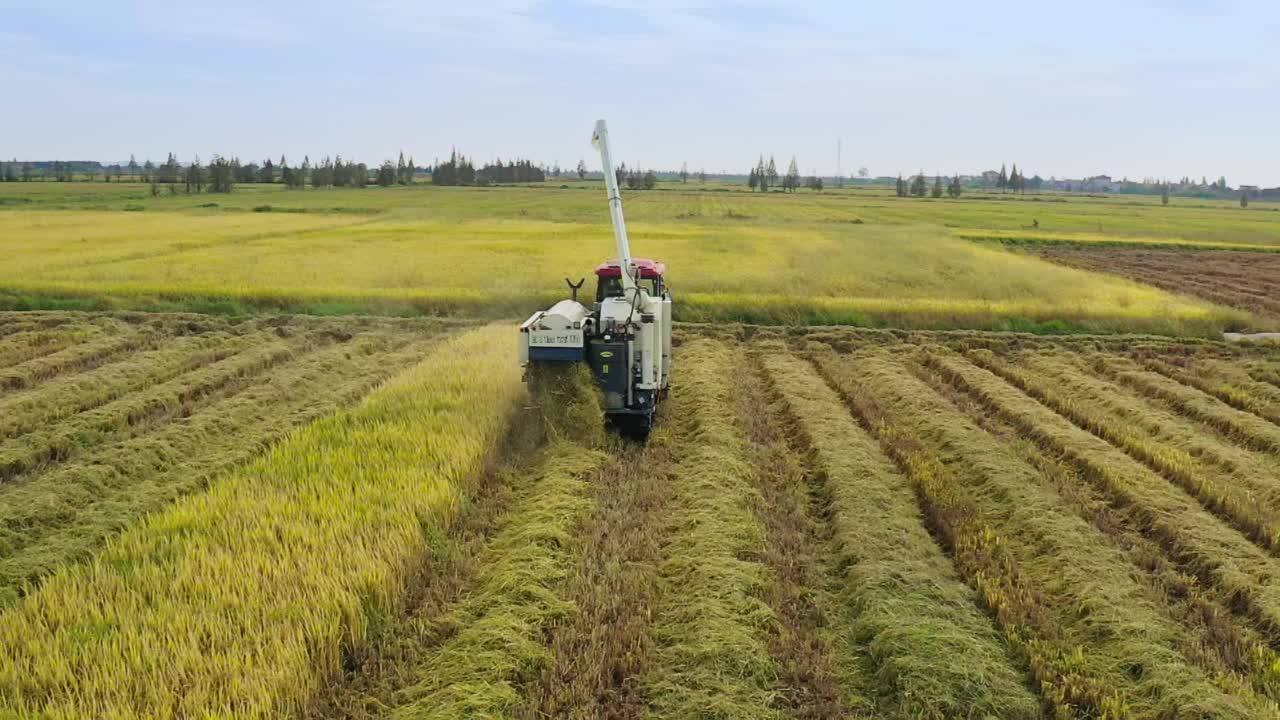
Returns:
(625, 336)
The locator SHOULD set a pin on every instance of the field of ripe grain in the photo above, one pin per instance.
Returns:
(844, 257)
(106, 418)
(828, 523)
(1247, 280)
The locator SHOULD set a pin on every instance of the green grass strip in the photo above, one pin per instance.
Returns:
(244, 600)
(1087, 240)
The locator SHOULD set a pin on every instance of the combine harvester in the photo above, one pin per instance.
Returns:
(625, 336)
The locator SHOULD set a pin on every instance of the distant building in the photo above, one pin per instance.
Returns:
(1099, 183)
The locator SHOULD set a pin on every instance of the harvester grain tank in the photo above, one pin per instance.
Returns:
(624, 336)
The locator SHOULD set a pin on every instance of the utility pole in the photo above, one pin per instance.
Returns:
(839, 152)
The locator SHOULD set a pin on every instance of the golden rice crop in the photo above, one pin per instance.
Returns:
(240, 602)
(499, 253)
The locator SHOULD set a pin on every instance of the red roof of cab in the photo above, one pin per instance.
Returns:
(649, 269)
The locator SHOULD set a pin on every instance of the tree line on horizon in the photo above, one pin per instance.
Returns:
(223, 174)
(459, 170)
(765, 175)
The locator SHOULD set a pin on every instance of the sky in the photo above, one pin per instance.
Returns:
(1136, 88)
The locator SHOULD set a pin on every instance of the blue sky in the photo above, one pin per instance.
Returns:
(1161, 88)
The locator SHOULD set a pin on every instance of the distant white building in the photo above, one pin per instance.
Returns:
(1099, 183)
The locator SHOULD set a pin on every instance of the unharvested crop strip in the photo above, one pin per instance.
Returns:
(712, 624)
(821, 675)
(244, 600)
(1247, 577)
(1232, 496)
(1096, 643)
(1218, 639)
(65, 396)
(915, 627)
(62, 515)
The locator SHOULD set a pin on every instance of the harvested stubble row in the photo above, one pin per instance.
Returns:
(242, 601)
(65, 508)
(712, 624)
(930, 651)
(1095, 639)
(1240, 486)
(70, 394)
(820, 676)
(499, 643)
(1249, 387)
(1243, 427)
(1218, 555)
(1218, 638)
(496, 644)
(601, 652)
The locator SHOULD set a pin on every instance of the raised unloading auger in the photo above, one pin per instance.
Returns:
(625, 336)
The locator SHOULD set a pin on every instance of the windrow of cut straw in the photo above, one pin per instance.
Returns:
(497, 635)
(1219, 555)
(712, 624)
(930, 651)
(1096, 641)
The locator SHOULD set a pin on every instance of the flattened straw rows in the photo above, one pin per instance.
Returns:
(1217, 638)
(77, 357)
(1063, 594)
(1242, 427)
(70, 394)
(712, 625)
(1219, 555)
(819, 662)
(1158, 440)
(931, 653)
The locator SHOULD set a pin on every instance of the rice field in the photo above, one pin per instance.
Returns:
(845, 257)
(104, 419)
(210, 508)
(827, 523)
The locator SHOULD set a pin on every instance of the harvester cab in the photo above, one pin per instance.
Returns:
(624, 336)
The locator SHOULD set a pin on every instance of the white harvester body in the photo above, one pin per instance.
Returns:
(625, 336)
